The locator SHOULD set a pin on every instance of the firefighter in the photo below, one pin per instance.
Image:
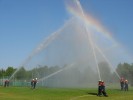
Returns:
(103, 89)
(122, 83)
(5, 84)
(8, 83)
(126, 85)
(99, 88)
(32, 83)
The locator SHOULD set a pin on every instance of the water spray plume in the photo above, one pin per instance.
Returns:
(107, 60)
(44, 78)
(41, 47)
(89, 38)
(90, 21)
(77, 41)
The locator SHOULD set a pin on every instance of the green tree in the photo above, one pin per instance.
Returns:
(9, 71)
(2, 73)
(126, 70)
(21, 74)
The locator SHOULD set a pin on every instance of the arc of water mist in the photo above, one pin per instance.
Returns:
(89, 37)
(106, 60)
(44, 78)
(42, 46)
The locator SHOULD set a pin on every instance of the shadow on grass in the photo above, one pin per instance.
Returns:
(92, 93)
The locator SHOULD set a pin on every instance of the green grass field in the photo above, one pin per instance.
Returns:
(26, 93)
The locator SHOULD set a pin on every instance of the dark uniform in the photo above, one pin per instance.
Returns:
(122, 83)
(34, 85)
(126, 85)
(6, 84)
(103, 89)
(99, 88)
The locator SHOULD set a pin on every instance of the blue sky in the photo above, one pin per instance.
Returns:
(25, 23)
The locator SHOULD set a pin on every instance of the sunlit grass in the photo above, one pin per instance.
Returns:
(26, 93)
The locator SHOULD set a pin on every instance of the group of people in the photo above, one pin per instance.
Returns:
(124, 84)
(101, 86)
(33, 83)
(101, 89)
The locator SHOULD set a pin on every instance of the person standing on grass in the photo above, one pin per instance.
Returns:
(99, 88)
(5, 83)
(122, 83)
(8, 83)
(34, 85)
(103, 89)
(126, 85)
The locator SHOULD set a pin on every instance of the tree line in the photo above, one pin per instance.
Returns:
(7, 72)
(123, 69)
(23, 73)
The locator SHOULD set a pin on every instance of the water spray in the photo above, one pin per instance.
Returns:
(42, 46)
(89, 37)
(107, 60)
(44, 78)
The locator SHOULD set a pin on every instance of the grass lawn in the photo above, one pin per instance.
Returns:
(26, 93)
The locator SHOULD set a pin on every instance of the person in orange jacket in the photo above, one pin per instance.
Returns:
(99, 88)
(103, 89)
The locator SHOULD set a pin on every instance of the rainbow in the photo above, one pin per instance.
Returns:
(75, 9)
(88, 19)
